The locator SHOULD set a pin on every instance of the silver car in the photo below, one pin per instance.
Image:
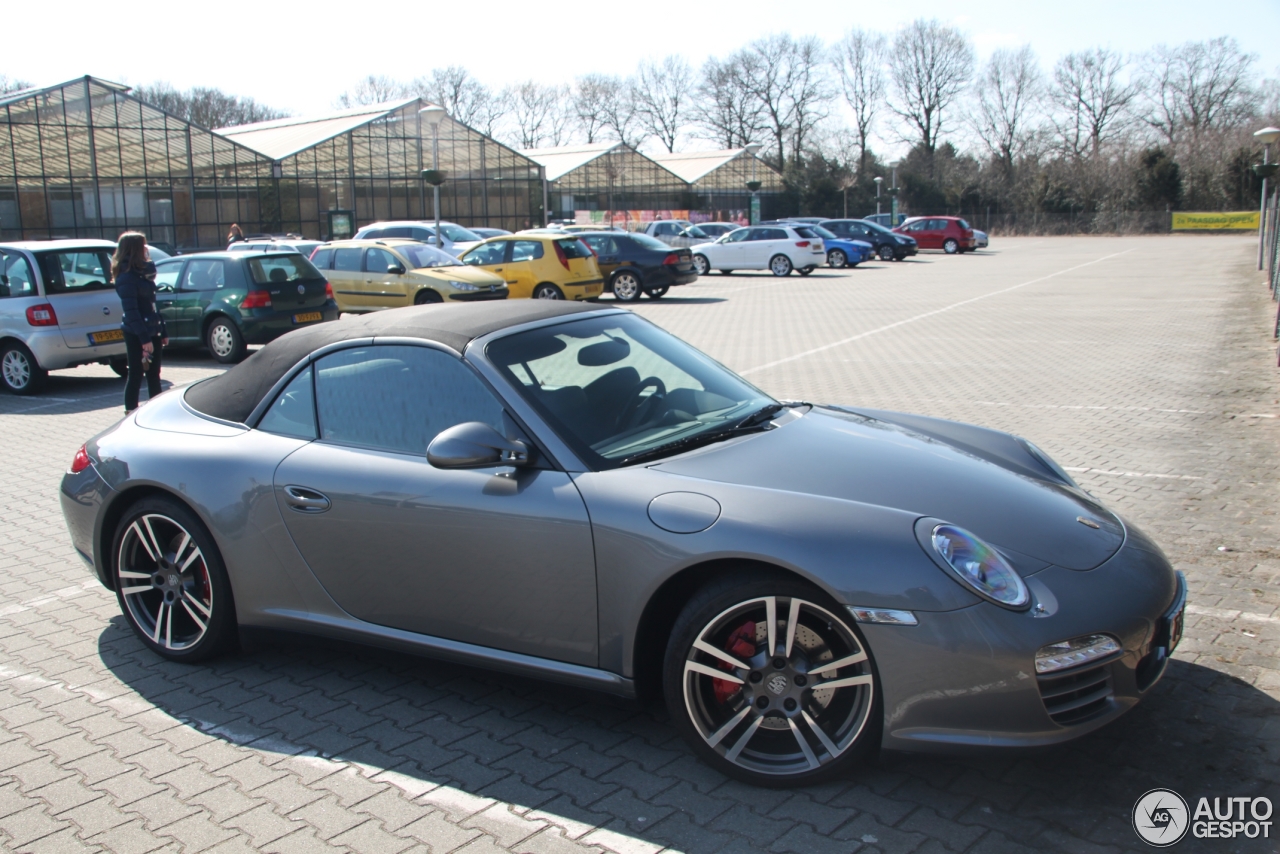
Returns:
(571, 493)
(58, 309)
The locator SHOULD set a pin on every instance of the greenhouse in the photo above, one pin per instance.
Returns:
(87, 159)
(719, 180)
(609, 183)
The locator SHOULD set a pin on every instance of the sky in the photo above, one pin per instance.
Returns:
(300, 56)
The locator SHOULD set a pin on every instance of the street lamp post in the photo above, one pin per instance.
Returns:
(893, 193)
(1266, 136)
(878, 181)
(753, 148)
(433, 176)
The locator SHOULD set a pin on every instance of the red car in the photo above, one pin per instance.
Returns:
(948, 233)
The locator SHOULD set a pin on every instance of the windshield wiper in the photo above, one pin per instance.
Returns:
(756, 422)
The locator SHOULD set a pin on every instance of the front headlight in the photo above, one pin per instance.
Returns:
(980, 567)
(464, 286)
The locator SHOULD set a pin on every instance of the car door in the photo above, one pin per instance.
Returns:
(761, 245)
(383, 287)
(727, 252)
(492, 257)
(199, 283)
(499, 557)
(521, 267)
(347, 279)
(167, 276)
(78, 285)
(607, 253)
(931, 233)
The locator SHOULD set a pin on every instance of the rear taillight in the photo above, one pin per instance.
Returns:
(564, 259)
(256, 299)
(328, 291)
(81, 461)
(802, 244)
(42, 315)
(672, 258)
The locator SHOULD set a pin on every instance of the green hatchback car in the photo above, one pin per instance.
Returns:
(227, 300)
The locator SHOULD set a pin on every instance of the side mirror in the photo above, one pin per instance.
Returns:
(165, 289)
(395, 270)
(475, 445)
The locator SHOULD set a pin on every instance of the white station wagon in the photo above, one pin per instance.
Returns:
(776, 248)
(58, 309)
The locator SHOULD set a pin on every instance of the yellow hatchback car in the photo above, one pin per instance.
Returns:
(540, 266)
(369, 275)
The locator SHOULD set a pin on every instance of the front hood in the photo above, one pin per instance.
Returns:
(846, 456)
(461, 273)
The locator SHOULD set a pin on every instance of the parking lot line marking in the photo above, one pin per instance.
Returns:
(1228, 614)
(926, 314)
(1079, 470)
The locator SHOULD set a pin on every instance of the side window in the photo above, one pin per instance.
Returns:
(739, 235)
(322, 258)
(486, 253)
(421, 234)
(373, 234)
(398, 397)
(293, 412)
(526, 250)
(203, 276)
(167, 275)
(72, 272)
(378, 260)
(770, 234)
(17, 280)
(347, 259)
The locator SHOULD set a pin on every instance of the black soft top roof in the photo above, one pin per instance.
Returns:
(232, 396)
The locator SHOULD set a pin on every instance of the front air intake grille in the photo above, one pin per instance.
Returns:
(1078, 696)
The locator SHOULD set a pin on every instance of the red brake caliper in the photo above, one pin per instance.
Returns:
(742, 645)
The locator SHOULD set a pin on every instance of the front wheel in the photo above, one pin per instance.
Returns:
(170, 582)
(426, 296)
(950, 246)
(886, 253)
(780, 265)
(546, 291)
(769, 683)
(19, 370)
(626, 286)
(837, 258)
(224, 341)
(701, 265)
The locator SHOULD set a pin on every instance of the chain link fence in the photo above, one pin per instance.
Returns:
(1099, 222)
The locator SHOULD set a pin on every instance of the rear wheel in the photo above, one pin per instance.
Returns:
(770, 683)
(837, 258)
(657, 293)
(626, 286)
(780, 265)
(171, 583)
(886, 253)
(547, 291)
(19, 371)
(726, 272)
(804, 271)
(426, 296)
(701, 265)
(119, 364)
(950, 246)
(224, 341)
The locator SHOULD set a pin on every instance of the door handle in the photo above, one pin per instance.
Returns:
(305, 500)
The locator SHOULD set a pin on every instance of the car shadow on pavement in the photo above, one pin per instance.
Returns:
(619, 764)
(667, 300)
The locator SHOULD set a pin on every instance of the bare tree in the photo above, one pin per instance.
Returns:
(663, 95)
(727, 112)
(932, 63)
(537, 114)
(859, 59)
(12, 84)
(462, 96)
(374, 89)
(603, 107)
(1009, 93)
(210, 108)
(785, 78)
(1198, 87)
(1094, 102)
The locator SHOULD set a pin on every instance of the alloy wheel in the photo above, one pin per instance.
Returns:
(886, 253)
(701, 265)
(950, 246)
(547, 292)
(16, 368)
(778, 686)
(164, 582)
(780, 265)
(626, 287)
(837, 258)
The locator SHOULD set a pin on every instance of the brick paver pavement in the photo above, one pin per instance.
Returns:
(1142, 364)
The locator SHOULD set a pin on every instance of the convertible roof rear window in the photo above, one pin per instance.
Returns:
(234, 395)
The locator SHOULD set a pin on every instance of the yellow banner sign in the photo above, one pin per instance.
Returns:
(1235, 221)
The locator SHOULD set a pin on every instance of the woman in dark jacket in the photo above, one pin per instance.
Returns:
(144, 333)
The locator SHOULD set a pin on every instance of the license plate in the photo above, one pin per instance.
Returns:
(106, 337)
(307, 317)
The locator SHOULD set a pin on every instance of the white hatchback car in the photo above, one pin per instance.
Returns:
(454, 239)
(776, 248)
(58, 309)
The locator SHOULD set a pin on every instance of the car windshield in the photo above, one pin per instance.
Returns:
(694, 231)
(649, 242)
(274, 269)
(875, 226)
(422, 255)
(807, 231)
(458, 234)
(618, 386)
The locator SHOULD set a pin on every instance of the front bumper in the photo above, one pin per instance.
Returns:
(477, 296)
(968, 678)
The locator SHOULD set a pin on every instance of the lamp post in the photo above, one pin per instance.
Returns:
(1266, 136)
(753, 148)
(433, 176)
(878, 181)
(893, 194)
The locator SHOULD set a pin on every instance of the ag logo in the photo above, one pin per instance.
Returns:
(1160, 818)
(777, 683)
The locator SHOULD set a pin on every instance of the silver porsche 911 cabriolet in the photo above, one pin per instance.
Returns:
(571, 493)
